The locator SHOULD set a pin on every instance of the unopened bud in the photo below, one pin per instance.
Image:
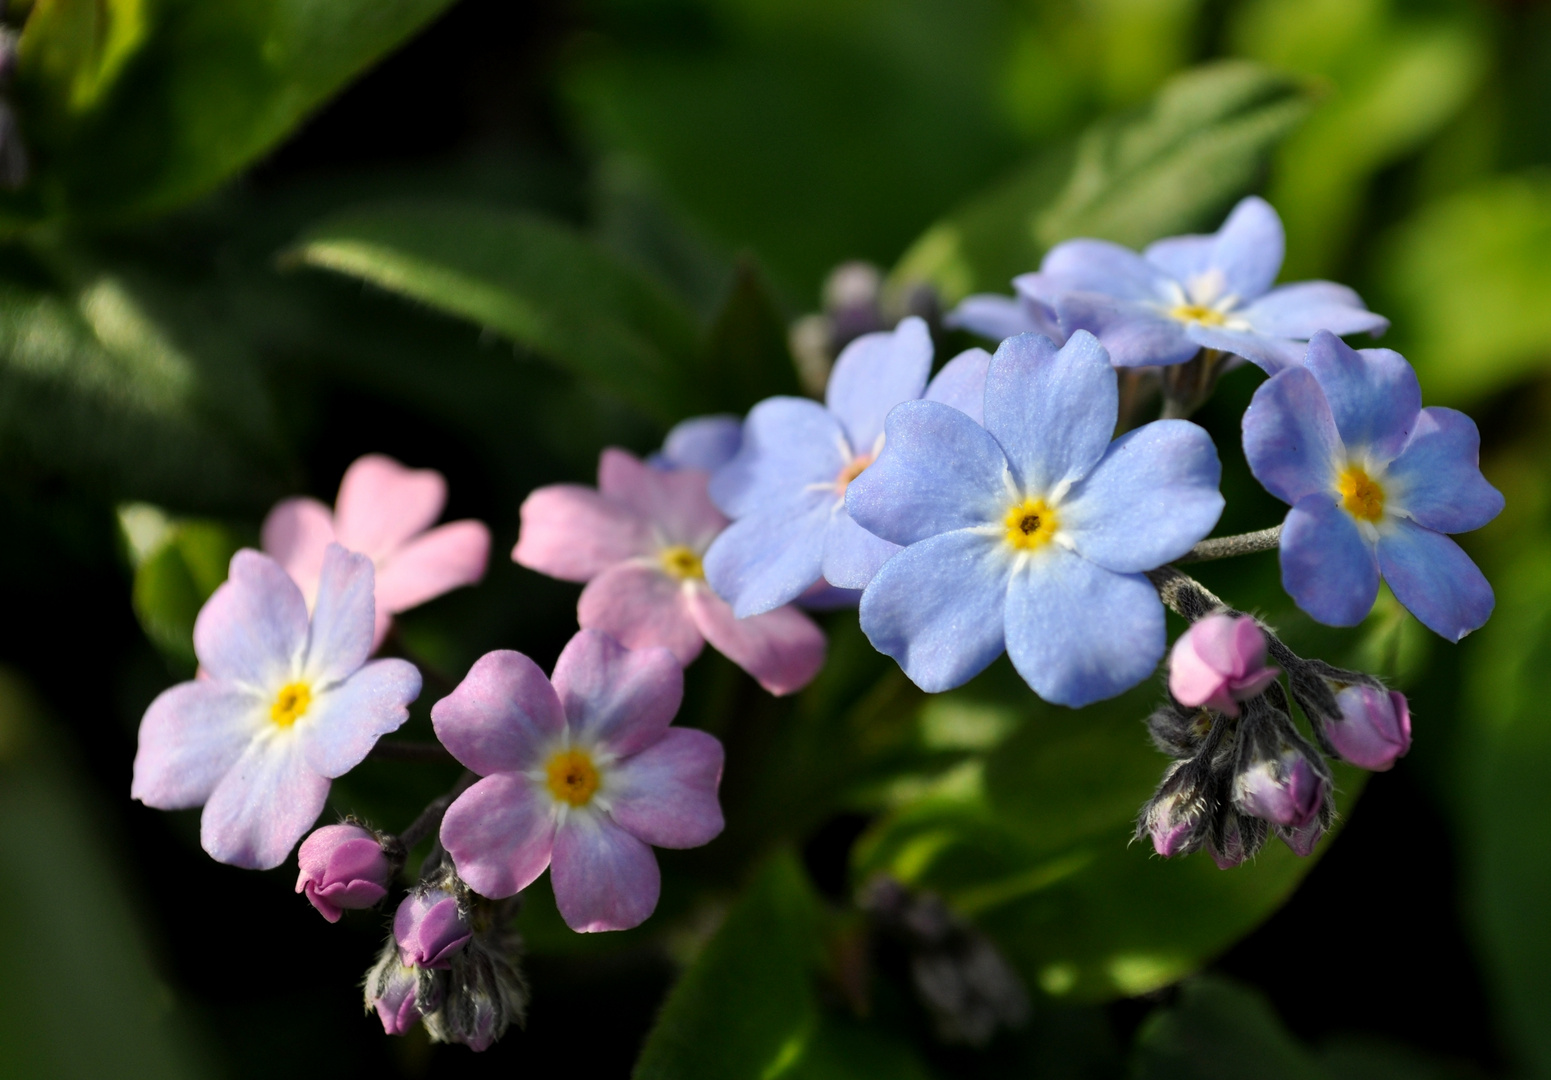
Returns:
(486, 994)
(1179, 815)
(399, 992)
(1235, 838)
(1285, 790)
(1374, 729)
(430, 927)
(1178, 731)
(343, 866)
(1302, 838)
(1219, 662)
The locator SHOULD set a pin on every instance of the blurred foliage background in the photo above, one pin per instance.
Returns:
(258, 238)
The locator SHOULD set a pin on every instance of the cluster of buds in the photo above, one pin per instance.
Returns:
(857, 301)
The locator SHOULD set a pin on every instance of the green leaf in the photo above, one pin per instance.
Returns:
(1220, 1030)
(178, 564)
(747, 359)
(534, 282)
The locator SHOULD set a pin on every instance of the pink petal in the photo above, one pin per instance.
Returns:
(500, 833)
(381, 504)
(263, 806)
(783, 649)
(1216, 639)
(620, 699)
(677, 503)
(666, 794)
(342, 724)
(501, 716)
(342, 616)
(254, 626)
(1194, 682)
(296, 532)
(604, 878)
(439, 561)
(191, 736)
(574, 534)
(640, 607)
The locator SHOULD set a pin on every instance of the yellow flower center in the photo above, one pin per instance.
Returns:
(1361, 496)
(1030, 524)
(1197, 313)
(680, 562)
(852, 469)
(290, 704)
(572, 777)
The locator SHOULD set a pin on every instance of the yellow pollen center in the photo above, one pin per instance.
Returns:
(290, 704)
(1030, 524)
(853, 468)
(1360, 495)
(1196, 313)
(680, 562)
(572, 777)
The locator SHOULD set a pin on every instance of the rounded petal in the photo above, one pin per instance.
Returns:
(501, 717)
(640, 607)
(937, 608)
(263, 805)
(343, 724)
(1328, 568)
(1249, 247)
(1290, 437)
(767, 560)
(1269, 354)
(789, 444)
(783, 649)
(254, 626)
(295, 533)
(703, 442)
(852, 555)
(381, 504)
(876, 372)
(1079, 633)
(500, 834)
(1435, 580)
(574, 534)
(1053, 411)
(617, 698)
(1301, 309)
(433, 563)
(1437, 479)
(997, 317)
(191, 736)
(1134, 334)
(1149, 500)
(666, 794)
(1182, 257)
(343, 617)
(1374, 395)
(1098, 266)
(962, 383)
(604, 878)
(676, 503)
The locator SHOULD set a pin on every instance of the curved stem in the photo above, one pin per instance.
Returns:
(1225, 547)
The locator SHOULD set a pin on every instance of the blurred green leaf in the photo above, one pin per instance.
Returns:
(178, 564)
(747, 359)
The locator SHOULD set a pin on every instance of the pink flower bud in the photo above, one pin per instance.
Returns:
(1284, 790)
(430, 928)
(343, 866)
(1219, 662)
(393, 995)
(1374, 729)
(1175, 818)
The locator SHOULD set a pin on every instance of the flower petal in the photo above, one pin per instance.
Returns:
(604, 878)
(1328, 568)
(573, 533)
(342, 617)
(1437, 477)
(703, 442)
(295, 533)
(254, 626)
(876, 372)
(1182, 257)
(766, 560)
(1435, 580)
(263, 805)
(1053, 411)
(1290, 438)
(342, 725)
(991, 315)
(1134, 334)
(666, 794)
(381, 504)
(1269, 354)
(1098, 266)
(962, 383)
(783, 649)
(852, 555)
(1374, 395)
(502, 715)
(675, 503)
(1249, 247)
(1078, 633)
(788, 444)
(640, 607)
(1302, 308)
(617, 698)
(1151, 497)
(500, 834)
(191, 736)
(433, 563)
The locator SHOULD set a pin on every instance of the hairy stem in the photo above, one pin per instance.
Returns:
(430, 818)
(1225, 547)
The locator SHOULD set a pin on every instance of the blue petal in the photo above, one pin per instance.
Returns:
(703, 442)
(1249, 248)
(788, 444)
(1078, 633)
(1328, 568)
(1182, 257)
(939, 471)
(996, 317)
(765, 560)
(1373, 394)
(1434, 578)
(1290, 437)
(1136, 335)
(1269, 354)
(1149, 500)
(1437, 477)
(1301, 309)
(962, 383)
(1098, 266)
(1052, 411)
(937, 608)
(875, 373)
(852, 555)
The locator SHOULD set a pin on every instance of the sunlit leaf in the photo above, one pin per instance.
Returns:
(177, 564)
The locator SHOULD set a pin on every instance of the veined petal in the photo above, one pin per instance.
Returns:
(1098, 266)
(573, 533)
(852, 555)
(295, 534)
(962, 383)
(253, 628)
(783, 649)
(604, 878)
(433, 563)
(1374, 395)
(788, 444)
(676, 503)
(1435, 580)
(1249, 247)
(191, 736)
(381, 504)
(993, 316)
(766, 560)
(1437, 478)
(640, 607)
(1053, 411)
(1290, 438)
(343, 724)
(342, 617)
(666, 794)
(501, 717)
(500, 834)
(1303, 308)
(1328, 568)
(703, 442)
(263, 805)
(617, 698)
(876, 372)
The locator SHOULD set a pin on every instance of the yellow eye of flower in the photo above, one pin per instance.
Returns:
(1196, 313)
(1361, 496)
(852, 469)
(681, 563)
(1030, 524)
(572, 777)
(290, 704)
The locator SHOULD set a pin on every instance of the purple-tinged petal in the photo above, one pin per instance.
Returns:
(342, 867)
(875, 373)
(1301, 309)
(381, 504)
(1053, 411)
(343, 724)
(619, 699)
(254, 626)
(436, 562)
(640, 607)
(430, 929)
(1182, 257)
(263, 805)
(604, 878)
(1098, 266)
(1374, 395)
(788, 444)
(500, 834)
(766, 560)
(1284, 791)
(1374, 728)
(822, 596)
(962, 383)
(703, 442)
(1151, 497)
(991, 315)
(852, 555)
(937, 608)
(1436, 481)
(343, 617)
(1434, 578)
(1269, 354)
(1134, 334)
(676, 503)
(1290, 438)
(191, 736)
(574, 534)
(938, 471)
(296, 533)
(1078, 633)
(1328, 568)
(501, 717)
(783, 649)
(666, 794)
(1248, 248)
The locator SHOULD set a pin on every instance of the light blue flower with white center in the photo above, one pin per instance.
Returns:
(1032, 533)
(1374, 481)
(701, 442)
(785, 490)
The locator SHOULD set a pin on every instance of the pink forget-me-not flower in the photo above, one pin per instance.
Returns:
(284, 705)
(1031, 534)
(1374, 481)
(582, 774)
